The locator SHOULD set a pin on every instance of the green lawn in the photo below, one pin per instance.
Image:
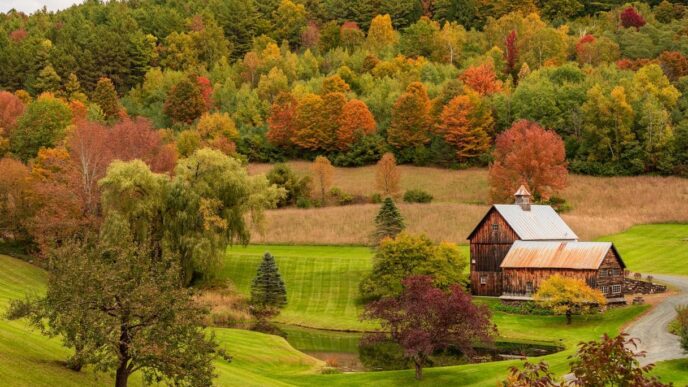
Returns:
(322, 281)
(654, 248)
(322, 284)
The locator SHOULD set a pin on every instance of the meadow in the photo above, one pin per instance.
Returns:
(599, 205)
(322, 284)
(266, 360)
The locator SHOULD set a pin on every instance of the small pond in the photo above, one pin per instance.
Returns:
(343, 350)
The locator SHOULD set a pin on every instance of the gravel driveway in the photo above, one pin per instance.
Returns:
(652, 330)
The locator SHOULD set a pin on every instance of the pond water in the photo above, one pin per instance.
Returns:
(345, 351)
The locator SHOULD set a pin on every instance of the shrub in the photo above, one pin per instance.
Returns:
(559, 204)
(367, 150)
(417, 196)
(342, 198)
(304, 202)
(526, 308)
(680, 325)
(297, 187)
(376, 198)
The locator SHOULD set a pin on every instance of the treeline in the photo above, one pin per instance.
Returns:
(432, 81)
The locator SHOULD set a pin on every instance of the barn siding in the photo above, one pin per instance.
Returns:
(611, 263)
(488, 249)
(515, 280)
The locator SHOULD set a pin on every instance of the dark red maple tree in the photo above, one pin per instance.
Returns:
(631, 18)
(424, 319)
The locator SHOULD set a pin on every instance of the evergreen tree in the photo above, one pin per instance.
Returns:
(388, 222)
(72, 89)
(105, 96)
(268, 293)
(47, 81)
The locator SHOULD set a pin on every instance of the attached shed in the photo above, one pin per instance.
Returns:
(528, 263)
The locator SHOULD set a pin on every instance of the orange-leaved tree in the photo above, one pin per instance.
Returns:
(323, 172)
(282, 120)
(387, 175)
(411, 119)
(458, 127)
(355, 122)
(482, 79)
(527, 154)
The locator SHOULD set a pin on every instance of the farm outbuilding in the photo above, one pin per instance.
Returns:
(517, 246)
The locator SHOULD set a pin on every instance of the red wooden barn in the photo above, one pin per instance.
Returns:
(517, 246)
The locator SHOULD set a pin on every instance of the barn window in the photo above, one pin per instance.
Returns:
(529, 287)
(603, 273)
(483, 279)
(605, 289)
(616, 289)
(495, 227)
(616, 271)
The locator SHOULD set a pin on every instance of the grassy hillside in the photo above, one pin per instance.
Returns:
(264, 360)
(28, 358)
(600, 205)
(654, 248)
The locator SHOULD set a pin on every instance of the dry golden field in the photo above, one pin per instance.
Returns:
(600, 205)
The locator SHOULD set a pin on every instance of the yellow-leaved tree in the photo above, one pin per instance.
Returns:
(568, 296)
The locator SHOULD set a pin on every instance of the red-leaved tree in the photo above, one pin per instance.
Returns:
(11, 108)
(424, 319)
(527, 154)
(511, 53)
(613, 361)
(631, 18)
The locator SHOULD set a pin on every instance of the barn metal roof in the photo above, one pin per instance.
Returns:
(557, 255)
(538, 223)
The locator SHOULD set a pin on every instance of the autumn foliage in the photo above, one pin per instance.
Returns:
(323, 173)
(527, 154)
(631, 18)
(458, 129)
(387, 175)
(424, 319)
(482, 79)
(282, 120)
(355, 122)
(411, 120)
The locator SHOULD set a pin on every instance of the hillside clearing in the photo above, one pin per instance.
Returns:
(600, 205)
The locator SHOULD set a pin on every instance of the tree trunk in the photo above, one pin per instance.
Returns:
(419, 369)
(122, 377)
(568, 317)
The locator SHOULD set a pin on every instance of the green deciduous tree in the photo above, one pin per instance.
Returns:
(123, 310)
(193, 216)
(406, 255)
(43, 124)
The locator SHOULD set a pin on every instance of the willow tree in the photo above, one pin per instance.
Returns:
(209, 204)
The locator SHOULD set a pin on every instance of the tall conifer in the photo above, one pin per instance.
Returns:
(388, 222)
(268, 293)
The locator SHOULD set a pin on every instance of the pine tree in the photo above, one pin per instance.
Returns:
(47, 81)
(72, 89)
(268, 293)
(388, 222)
(105, 96)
